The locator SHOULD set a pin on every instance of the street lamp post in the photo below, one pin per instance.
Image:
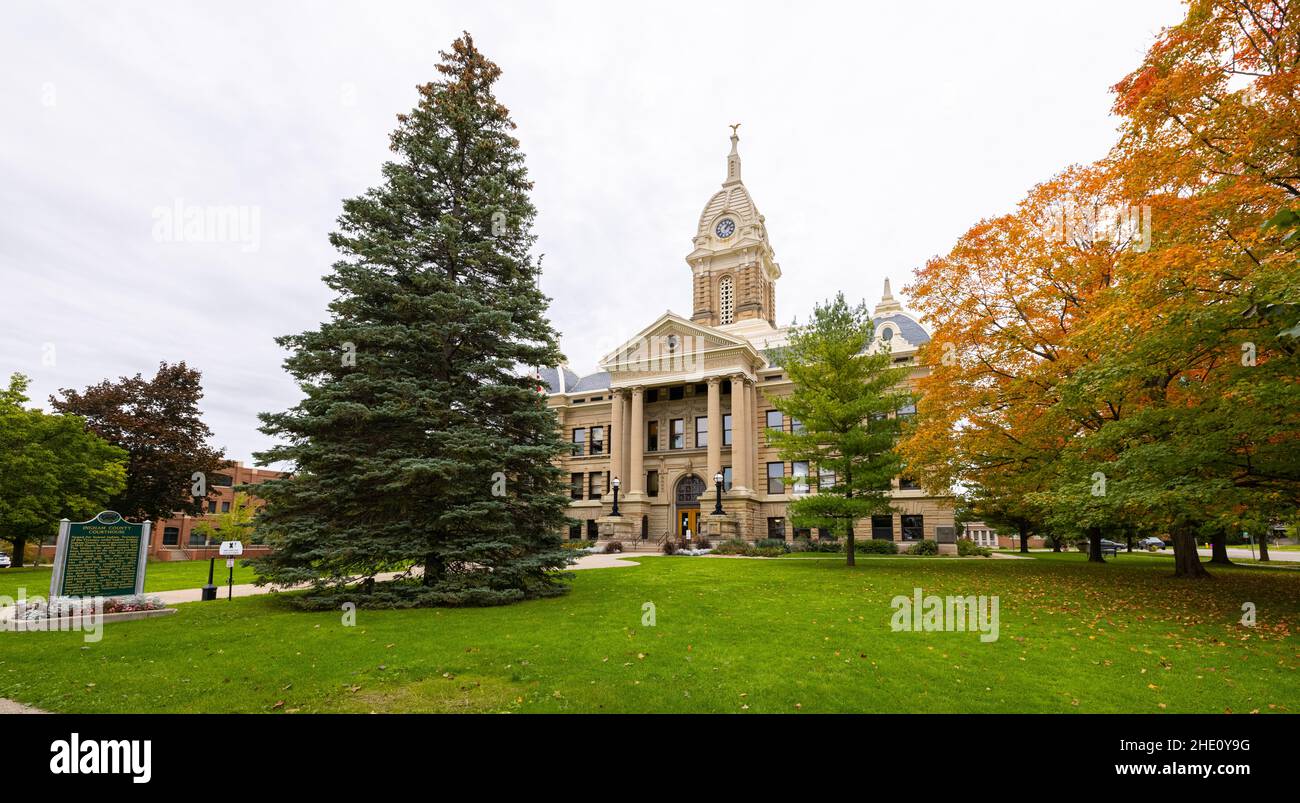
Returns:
(615, 512)
(717, 483)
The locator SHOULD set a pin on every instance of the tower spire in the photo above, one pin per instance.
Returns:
(887, 302)
(733, 158)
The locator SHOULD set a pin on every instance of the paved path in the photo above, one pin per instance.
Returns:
(10, 707)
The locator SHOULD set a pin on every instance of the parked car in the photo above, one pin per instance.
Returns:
(1151, 542)
(1106, 543)
(5, 563)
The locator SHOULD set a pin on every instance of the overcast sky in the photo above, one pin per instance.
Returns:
(872, 136)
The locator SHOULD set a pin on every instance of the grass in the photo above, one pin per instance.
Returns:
(163, 575)
(732, 635)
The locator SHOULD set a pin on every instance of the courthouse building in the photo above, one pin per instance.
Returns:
(689, 397)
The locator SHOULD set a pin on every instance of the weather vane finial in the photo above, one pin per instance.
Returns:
(734, 126)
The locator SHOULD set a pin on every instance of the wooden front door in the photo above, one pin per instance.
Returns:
(688, 519)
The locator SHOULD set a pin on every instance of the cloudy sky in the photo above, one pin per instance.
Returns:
(872, 135)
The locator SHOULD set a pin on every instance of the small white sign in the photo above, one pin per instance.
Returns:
(235, 548)
(230, 563)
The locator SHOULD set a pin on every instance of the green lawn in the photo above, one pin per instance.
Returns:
(159, 576)
(736, 635)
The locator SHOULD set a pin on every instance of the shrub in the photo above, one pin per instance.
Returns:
(613, 546)
(733, 546)
(767, 551)
(802, 545)
(926, 547)
(670, 547)
(778, 544)
(872, 546)
(580, 544)
(965, 546)
(703, 542)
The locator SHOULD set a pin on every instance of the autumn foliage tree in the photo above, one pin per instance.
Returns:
(1139, 371)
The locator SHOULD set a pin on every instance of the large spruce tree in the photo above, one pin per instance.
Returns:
(422, 443)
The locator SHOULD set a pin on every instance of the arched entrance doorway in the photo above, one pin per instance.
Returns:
(686, 498)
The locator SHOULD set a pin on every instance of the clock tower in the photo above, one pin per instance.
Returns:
(733, 266)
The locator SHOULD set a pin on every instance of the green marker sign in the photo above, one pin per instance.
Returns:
(103, 557)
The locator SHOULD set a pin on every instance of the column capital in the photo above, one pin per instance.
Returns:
(714, 380)
(636, 390)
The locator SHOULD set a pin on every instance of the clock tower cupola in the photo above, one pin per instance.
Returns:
(733, 266)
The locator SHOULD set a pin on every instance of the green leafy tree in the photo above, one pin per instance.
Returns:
(235, 524)
(159, 424)
(422, 442)
(846, 395)
(51, 468)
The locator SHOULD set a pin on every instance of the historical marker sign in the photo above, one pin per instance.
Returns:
(103, 557)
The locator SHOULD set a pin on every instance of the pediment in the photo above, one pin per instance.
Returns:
(670, 344)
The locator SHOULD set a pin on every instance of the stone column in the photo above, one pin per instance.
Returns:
(636, 453)
(740, 435)
(616, 434)
(715, 429)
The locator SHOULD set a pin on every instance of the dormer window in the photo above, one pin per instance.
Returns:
(886, 333)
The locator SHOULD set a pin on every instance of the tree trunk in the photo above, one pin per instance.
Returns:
(1186, 562)
(433, 569)
(20, 546)
(1128, 538)
(1219, 547)
(1056, 543)
(1024, 538)
(1263, 546)
(848, 546)
(1094, 545)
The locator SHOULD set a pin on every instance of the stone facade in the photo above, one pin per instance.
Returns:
(686, 399)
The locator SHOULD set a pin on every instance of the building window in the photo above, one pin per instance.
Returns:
(907, 411)
(775, 475)
(825, 478)
(652, 436)
(701, 432)
(652, 395)
(171, 536)
(677, 393)
(799, 469)
(775, 422)
(727, 300)
(803, 533)
(225, 507)
(796, 426)
(913, 528)
(597, 440)
(593, 530)
(197, 539)
(212, 507)
(825, 534)
(907, 484)
(726, 430)
(652, 483)
(677, 433)
(776, 528)
(575, 486)
(222, 480)
(882, 528)
(579, 439)
(594, 485)
(575, 531)
(726, 478)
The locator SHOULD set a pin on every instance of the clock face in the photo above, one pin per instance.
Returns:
(725, 228)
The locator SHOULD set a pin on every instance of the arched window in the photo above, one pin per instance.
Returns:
(727, 300)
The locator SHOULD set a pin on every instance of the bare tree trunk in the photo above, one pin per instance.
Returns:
(20, 546)
(1094, 545)
(1129, 540)
(1219, 547)
(1263, 546)
(1186, 562)
(1024, 537)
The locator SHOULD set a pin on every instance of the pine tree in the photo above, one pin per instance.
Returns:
(846, 397)
(421, 442)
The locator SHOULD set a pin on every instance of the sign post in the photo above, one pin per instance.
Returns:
(231, 550)
(102, 557)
